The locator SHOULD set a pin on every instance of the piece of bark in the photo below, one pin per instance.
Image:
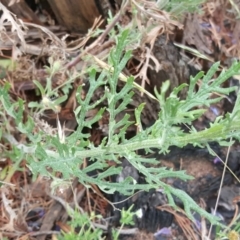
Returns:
(75, 15)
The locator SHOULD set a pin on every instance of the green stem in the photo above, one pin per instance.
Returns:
(215, 132)
(218, 131)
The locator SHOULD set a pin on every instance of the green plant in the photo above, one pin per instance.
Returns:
(229, 232)
(50, 97)
(48, 154)
(126, 219)
(176, 9)
(83, 221)
(88, 228)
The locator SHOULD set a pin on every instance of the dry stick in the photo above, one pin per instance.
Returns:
(220, 187)
(100, 39)
(55, 208)
(130, 231)
(92, 48)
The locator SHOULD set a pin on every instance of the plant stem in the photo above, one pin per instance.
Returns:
(216, 132)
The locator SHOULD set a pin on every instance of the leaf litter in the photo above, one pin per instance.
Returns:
(202, 38)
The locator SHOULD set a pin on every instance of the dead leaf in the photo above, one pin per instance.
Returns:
(9, 213)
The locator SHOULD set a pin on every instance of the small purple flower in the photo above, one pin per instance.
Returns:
(205, 25)
(164, 231)
(41, 212)
(57, 228)
(216, 160)
(215, 110)
(208, 26)
(197, 224)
